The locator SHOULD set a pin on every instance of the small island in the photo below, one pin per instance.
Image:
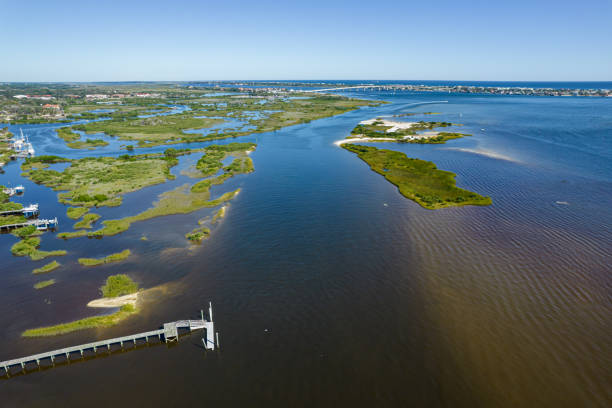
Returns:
(383, 130)
(418, 180)
(115, 287)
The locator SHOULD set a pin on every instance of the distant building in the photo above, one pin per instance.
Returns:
(96, 96)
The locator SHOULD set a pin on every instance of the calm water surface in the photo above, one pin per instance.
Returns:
(331, 289)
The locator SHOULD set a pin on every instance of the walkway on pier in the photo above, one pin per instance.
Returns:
(170, 332)
(39, 224)
(28, 211)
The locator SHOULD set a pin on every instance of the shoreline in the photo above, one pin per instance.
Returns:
(131, 299)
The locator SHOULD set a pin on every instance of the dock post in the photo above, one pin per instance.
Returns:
(210, 311)
(81, 350)
(38, 362)
(217, 340)
(122, 344)
(52, 360)
(202, 314)
(67, 356)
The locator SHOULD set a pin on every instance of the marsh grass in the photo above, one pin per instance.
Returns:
(76, 212)
(418, 180)
(82, 324)
(118, 285)
(44, 284)
(117, 257)
(87, 220)
(28, 247)
(51, 266)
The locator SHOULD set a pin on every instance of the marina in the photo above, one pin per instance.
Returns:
(22, 147)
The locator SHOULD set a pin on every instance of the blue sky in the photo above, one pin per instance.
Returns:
(199, 40)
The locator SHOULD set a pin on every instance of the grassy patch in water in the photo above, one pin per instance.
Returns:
(87, 144)
(12, 219)
(27, 231)
(101, 181)
(153, 129)
(51, 266)
(87, 323)
(198, 234)
(87, 220)
(75, 234)
(10, 206)
(28, 247)
(178, 201)
(418, 180)
(117, 257)
(76, 212)
(67, 134)
(44, 284)
(118, 285)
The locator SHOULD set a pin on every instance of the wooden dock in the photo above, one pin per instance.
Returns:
(169, 332)
(29, 211)
(43, 224)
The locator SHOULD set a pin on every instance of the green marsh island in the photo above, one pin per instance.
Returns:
(418, 180)
(115, 287)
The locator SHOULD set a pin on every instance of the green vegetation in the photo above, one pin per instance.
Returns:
(118, 285)
(51, 266)
(87, 220)
(185, 199)
(27, 231)
(5, 153)
(87, 144)
(87, 323)
(211, 162)
(210, 111)
(12, 219)
(177, 201)
(40, 162)
(44, 284)
(378, 129)
(198, 234)
(28, 247)
(67, 134)
(75, 234)
(10, 206)
(119, 256)
(76, 212)
(416, 179)
(155, 129)
(101, 181)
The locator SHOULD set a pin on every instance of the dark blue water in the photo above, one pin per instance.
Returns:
(331, 289)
